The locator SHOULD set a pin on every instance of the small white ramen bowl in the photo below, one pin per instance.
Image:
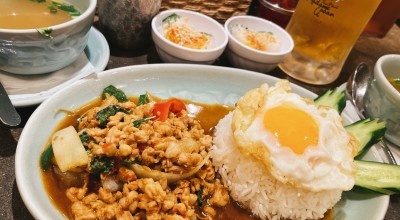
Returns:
(170, 52)
(25, 51)
(243, 56)
(381, 99)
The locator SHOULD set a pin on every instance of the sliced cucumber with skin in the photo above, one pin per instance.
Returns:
(371, 176)
(333, 98)
(378, 177)
(368, 132)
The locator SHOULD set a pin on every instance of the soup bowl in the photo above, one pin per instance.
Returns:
(381, 99)
(26, 51)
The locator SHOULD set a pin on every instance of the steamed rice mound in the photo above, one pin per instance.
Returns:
(251, 184)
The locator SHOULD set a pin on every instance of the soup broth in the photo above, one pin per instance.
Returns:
(395, 83)
(29, 14)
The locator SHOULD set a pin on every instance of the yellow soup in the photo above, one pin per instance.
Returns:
(27, 14)
(395, 83)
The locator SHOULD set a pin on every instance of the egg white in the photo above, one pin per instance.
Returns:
(328, 165)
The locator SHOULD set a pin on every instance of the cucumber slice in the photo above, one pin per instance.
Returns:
(378, 177)
(333, 98)
(368, 132)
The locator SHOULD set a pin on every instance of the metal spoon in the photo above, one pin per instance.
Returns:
(8, 115)
(355, 91)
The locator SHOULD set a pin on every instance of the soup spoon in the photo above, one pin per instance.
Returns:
(8, 115)
(355, 90)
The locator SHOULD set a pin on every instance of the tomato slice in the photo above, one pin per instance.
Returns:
(162, 109)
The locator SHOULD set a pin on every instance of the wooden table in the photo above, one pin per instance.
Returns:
(366, 50)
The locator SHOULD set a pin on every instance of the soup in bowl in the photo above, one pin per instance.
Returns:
(43, 36)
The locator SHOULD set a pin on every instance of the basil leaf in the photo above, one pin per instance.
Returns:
(143, 99)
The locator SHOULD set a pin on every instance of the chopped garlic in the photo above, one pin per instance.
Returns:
(259, 40)
(179, 31)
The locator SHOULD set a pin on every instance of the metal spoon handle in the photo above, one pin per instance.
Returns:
(388, 152)
(8, 115)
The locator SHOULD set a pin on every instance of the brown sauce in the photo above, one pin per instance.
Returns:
(208, 115)
(27, 14)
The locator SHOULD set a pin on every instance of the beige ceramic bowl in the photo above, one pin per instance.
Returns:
(173, 53)
(25, 51)
(245, 57)
(382, 100)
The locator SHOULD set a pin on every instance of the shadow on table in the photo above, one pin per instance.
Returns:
(19, 212)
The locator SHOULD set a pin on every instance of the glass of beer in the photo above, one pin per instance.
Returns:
(324, 32)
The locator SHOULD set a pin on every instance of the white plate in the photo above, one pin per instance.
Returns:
(32, 90)
(200, 83)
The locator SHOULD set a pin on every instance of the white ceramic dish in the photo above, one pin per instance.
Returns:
(200, 83)
(32, 90)
(381, 99)
(25, 52)
(173, 53)
(243, 56)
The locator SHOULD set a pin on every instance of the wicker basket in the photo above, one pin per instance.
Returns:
(220, 10)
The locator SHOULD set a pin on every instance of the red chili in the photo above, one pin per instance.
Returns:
(162, 109)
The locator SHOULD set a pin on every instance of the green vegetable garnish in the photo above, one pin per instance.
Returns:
(72, 11)
(38, 1)
(172, 17)
(113, 91)
(45, 159)
(397, 81)
(46, 32)
(101, 165)
(52, 9)
(137, 123)
(108, 111)
(199, 196)
(74, 14)
(64, 7)
(127, 162)
(143, 99)
(84, 137)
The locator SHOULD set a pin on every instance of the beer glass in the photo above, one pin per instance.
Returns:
(324, 32)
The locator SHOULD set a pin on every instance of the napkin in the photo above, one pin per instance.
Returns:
(16, 84)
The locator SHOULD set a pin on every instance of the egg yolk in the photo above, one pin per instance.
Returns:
(293, 127)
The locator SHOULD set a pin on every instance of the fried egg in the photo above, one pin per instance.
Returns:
(298, 142)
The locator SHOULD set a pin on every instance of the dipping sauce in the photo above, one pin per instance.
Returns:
(259, 40)
(395, 83)
(29, 14)
(179, 31)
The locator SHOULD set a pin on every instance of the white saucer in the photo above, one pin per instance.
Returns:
(32, 90)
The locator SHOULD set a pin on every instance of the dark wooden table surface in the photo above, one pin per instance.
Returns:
(366, 50)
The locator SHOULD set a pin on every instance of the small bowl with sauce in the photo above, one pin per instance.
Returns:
(382, 98)
(256, 44)
(42, 36)
(184, 36)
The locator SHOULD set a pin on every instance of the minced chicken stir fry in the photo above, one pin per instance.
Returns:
(144, 160)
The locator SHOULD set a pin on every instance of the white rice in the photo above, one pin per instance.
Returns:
(250, 183)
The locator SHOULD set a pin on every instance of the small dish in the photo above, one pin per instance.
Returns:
(243, 56)
(173, 53)
(32, 90)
